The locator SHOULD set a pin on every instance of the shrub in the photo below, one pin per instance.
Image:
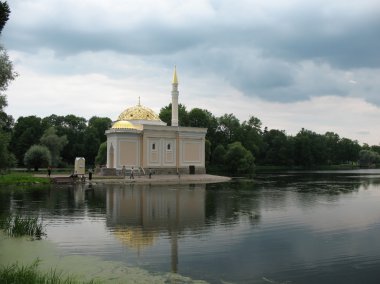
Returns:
(239, 159)
(37, 156)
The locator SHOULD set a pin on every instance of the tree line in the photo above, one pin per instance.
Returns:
(57, 140)
(236, 147)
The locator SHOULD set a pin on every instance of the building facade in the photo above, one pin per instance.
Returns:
(139, 139)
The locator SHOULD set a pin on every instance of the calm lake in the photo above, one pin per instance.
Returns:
(309, 227)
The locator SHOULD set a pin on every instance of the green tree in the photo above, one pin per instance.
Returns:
(275, 148)
(83, 138)
(198, 118)
(6, 122)
(228, 129)
(366, 147)
(218, 155)
(207, 152)
(4, 14)
(217, 162)
(319, 149)
(7, 74)
(303, 148)
(375, 148)
(310, 149)
(251, 135)
(101, 157)
(26, 132)
(56, 121)
(91, 142)
(348, 151)
(37, 156)
(95, 135)
(7, 159)
(240, 160)
(332, 147)
(203, 118)
(368, 158)
(54, 143)
(74, 128)
(100, 124)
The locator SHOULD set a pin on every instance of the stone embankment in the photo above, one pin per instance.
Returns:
(162, 179)
(155, 179)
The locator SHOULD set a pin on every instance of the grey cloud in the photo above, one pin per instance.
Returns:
(304, 32)
(260, 52)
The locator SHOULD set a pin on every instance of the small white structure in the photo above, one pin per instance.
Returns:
(79, 166)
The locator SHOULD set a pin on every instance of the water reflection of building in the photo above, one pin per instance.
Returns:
(137, 214)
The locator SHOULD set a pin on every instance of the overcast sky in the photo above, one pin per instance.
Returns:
(291, 63)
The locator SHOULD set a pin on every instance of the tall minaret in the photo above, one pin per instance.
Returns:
(175, 94)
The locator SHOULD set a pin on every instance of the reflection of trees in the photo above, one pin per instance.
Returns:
(62, 200)
(313, 182)
(24, 198)
(314, 185)
(369, 181)
(227, 203)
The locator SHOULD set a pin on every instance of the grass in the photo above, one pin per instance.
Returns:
(21, 179)
(29, 274)
(17, 226)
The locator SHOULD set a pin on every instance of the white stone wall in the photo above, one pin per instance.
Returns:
(126, 150)
(161, 152)
(158, 147)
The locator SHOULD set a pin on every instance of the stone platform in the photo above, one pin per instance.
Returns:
(155, 179)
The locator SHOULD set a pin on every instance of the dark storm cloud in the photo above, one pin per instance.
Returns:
(341, 41)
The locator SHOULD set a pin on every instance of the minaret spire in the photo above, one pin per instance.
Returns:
(175, 94)
(175, 79)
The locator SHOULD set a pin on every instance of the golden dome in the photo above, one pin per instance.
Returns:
(135, 237)
(138, 112)
(122, 124)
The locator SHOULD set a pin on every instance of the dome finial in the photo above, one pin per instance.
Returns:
(139, 102)
(175, 79)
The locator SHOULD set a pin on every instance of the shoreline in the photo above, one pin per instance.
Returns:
(155, 179)
(164, 179)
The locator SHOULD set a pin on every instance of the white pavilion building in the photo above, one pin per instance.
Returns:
(139, 139)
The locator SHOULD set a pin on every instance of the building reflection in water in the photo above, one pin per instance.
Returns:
(136, 214)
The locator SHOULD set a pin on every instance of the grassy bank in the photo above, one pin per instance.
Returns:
(25, 274)
(22, 178)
